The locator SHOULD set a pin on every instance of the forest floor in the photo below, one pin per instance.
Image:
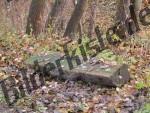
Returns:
(77, 97)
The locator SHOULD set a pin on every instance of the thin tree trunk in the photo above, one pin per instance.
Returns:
(35, 24)
(56, 10)
(138, 6)
(75, 18)
(91, 28)
(79, 28)
(123, 11)
(128, 13)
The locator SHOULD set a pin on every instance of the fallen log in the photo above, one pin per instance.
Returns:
(92, 71)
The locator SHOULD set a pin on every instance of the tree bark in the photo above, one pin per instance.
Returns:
(123, 11)
(75, 18)
(127, 14)
(35, 24)
(138, 6)
(56, 10)
(91, 28)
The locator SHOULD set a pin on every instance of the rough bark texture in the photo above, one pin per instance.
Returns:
(128, 13)
(79, 28)
(138, 6)
(35, 24)
(122, 10)
(91, 27)
(14, 14)
(134, 17)
(57, 8)
(75, 18)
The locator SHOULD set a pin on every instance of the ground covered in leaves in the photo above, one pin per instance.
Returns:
(74, 97)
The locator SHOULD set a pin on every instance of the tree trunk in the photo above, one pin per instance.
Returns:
(35, 24)
(123, 11)
(91, 28)
(75, 18)
(127, 14)
(79, 28)
(56, 10)
(138, 6)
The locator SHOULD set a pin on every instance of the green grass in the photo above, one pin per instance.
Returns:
(144, 109)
